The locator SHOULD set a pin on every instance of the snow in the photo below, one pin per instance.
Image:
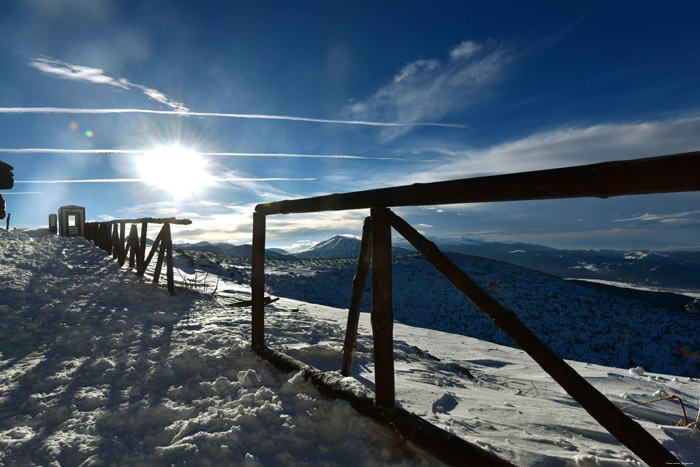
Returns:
(100, 367)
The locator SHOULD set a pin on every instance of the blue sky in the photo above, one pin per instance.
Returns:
(477, 88)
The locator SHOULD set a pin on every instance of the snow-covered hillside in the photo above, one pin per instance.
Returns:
(340, 246)
(99, 367)
(577, 322)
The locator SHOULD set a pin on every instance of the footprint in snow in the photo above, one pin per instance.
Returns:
(445, 403)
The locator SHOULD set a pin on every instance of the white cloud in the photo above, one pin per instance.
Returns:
(464, 50)
(564, 147)
(673, 217)
(96, 75)
(288, 226)
(429, 89)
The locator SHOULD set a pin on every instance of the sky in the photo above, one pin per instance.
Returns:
(203, 109)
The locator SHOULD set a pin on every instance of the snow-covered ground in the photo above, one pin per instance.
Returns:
(100, 367)
(575, 321)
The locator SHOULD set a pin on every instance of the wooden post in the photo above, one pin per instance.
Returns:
(382, 311)
(122, 247)
(159, 261)
(133, 245)
(596, 404)
(141, 258)
(115, 242)
(359, 283)
(154, 248)
(107, 238)
(168, 245)
(257, 282)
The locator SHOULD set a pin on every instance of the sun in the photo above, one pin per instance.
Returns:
(179, 171)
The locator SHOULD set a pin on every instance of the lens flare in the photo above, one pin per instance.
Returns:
(89, 133)
(177, 170)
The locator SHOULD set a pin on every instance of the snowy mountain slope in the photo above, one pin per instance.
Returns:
(339, 246)
(662, 270)
(576, 321)
(243, 251)
(111, 370)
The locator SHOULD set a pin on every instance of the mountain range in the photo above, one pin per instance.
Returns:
(672, 271)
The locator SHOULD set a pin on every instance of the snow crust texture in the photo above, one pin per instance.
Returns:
(100, 367)
(576, 322)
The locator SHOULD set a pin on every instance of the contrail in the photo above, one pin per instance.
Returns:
(142, 180)
(23, 193)
(67, 110)
(222, 154)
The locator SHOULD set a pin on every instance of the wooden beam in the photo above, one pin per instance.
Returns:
(115, 242)
(154, 248)
(664, 174)
(382, 311)
(151, 220)
(133, 245)
(122, 248)
(596, 404)
(168, 245)
(141, 258)
(412, 429)
(257, 282)
(107, 238)
(159, 261)
(359, 283)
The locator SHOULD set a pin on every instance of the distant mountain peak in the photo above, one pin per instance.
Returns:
(340, 246)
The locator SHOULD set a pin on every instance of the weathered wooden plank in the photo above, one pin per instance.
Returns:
(664, 174)
(154, 248)
(141, 258)
(359, 283)
(596, 404)
(447, 447)
(257, 282)
(151, 220)
(107, 238)
(159, 261)
(133, 245)
(168, 245)
(122, 248)
(115, 242)
(382, 310)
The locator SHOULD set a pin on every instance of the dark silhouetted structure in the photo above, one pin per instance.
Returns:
(7, 180)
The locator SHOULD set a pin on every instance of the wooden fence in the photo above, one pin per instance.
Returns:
(110, 236)
(664, 174)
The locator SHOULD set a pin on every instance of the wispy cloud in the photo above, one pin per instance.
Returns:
(97, 75)
(428, 89)
(221, 154)
(564, 147)
(79, 111)
(22, 192)
(673, 217)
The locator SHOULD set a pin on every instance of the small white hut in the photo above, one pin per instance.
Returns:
(71, 221)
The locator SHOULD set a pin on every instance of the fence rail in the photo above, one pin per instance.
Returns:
(663, 174)
(110, 236)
